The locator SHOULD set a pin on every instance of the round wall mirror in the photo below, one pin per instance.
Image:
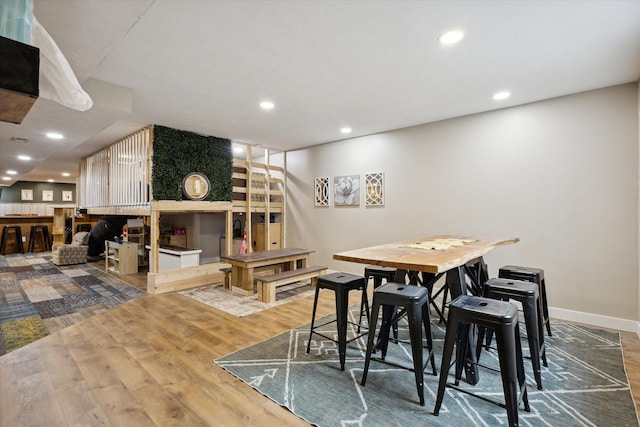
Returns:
(196, 186)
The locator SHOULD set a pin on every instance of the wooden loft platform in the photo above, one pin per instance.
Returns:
(106, 187)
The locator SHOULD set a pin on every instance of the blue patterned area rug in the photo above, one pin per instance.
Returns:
(38, 298)
(584, 385)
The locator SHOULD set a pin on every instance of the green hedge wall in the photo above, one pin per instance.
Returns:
(176, 153)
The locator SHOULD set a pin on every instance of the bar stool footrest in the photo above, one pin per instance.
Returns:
(486, 399)
(346, 342)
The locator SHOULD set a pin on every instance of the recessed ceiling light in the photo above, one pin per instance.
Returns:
(6, 178)
(12, 172)
(54, 135)
(499, 96)
(267, 105)
(451, 37)
(22, 157)
(345, 130)
(51, 180)
(66, 174)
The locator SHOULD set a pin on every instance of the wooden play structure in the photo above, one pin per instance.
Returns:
(117, 181)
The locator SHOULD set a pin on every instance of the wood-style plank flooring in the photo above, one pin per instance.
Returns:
(149, 362)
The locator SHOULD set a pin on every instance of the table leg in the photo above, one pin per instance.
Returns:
(246, 279)
(456, 282)
(428, 280)
(235, 276)
(478, 273)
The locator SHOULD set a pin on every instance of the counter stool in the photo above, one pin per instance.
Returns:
(33, 235)
(5, 238)
(415, 302)
(529, 274)
(341, 284)
(527, 294)
(378, 274)
(502, 317)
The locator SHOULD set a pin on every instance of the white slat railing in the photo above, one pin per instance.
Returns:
(118, 175)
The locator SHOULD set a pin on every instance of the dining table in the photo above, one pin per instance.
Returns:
(425, 260)
(244, 265)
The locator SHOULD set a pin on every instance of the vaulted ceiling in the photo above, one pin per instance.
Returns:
(373, 66)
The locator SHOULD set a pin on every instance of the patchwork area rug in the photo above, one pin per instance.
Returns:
(38, 298)
(217, 296)
(584, 385)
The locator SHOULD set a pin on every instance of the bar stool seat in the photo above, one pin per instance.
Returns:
(341, 284)
(415, 302)
(502, 317)
(5, 238)
(37, 230)
(529, 274)
(527, 294)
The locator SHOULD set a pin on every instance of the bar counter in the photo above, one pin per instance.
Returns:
(25, 222)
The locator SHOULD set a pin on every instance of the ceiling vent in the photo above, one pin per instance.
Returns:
(19, 73)
(20, 140)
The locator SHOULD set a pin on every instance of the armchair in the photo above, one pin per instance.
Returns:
(72, 253)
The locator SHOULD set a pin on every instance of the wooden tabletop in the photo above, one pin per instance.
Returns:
(430, 254)
(259, 256)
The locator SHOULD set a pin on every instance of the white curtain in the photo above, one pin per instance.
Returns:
(57, 80)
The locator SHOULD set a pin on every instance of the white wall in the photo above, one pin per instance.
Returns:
(209, 228)
(638, 118)
(561, 174)
(41, 209)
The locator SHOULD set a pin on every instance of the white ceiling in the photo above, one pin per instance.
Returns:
(374, 66)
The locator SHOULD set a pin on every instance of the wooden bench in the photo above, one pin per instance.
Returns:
(267, 284)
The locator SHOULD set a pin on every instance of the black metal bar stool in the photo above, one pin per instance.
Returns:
(529, 274)
(5, 238)
(527, 294)
(341, 284)
(415, 303)
(502, 317)
(36, 230)
(378, 274)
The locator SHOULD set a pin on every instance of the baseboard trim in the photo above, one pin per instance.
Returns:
(595, 320)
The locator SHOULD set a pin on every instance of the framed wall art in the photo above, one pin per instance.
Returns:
(374, 189)
(321, 191)
(346, 190)
(47, 195)
(26, 194)
(67, 196)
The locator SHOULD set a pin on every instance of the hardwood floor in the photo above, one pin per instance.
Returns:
(150, 362)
